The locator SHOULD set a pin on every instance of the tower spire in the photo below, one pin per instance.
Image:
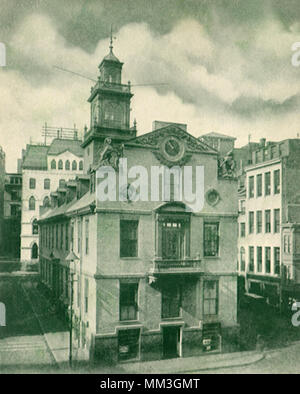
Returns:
(111, 39)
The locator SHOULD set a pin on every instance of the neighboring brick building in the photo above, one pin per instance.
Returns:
(268, 222)
(44, 169)
(155, 279)
(2, 179)
(12, 214)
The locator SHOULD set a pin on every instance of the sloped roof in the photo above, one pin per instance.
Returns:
(218, 135)
(61, 145)
(35, 157)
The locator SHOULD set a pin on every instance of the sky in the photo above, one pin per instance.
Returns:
(226, 65)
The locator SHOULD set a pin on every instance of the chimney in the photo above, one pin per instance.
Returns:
(262, 142)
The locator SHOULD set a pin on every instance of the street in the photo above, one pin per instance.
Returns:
(22, 345)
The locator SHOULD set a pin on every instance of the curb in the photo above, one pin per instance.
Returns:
(56, 363)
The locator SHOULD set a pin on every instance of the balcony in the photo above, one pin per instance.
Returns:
(177, 266)
(116, 87)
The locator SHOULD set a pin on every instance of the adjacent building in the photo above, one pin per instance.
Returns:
(45, 168)
(155, 278)
(12, 214)
(269, 203)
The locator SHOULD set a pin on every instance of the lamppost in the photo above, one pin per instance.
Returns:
(71, 258)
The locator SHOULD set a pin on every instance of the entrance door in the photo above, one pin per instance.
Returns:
(171, 342)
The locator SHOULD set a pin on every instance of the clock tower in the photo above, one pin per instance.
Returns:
(110, 107)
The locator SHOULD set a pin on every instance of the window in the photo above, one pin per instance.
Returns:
(32, 183)
(67, 165)
(128, 344)
(211, 239)
(72, 236)
(171, 300)
(276, 181)
(46, 202)
(242, 206)
(259, 258)
(86, 295)
(74, 165)
(287, 244)
(242, 259)
(268, 221)
(267, 183)
(258, 221)
(34, 251)
(35, 227)
(210, 297)
(259, 185)
(251, 186)
(61, 236)
(79, 230)
(56, 236)
(53, 165)
(128, 301)
(60, 165)
(87, 224)
(62, 183)
(277, 260)
(32, 204)
(267, 259)
(276, 220)
(67, 236)
(251, 222)
(242, 229)
(251, 258)
(80, 165)
(47, 184)
(128, 238)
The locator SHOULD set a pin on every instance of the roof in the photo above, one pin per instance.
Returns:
(218, 135)
(111, 57)
(61, 145)
(36, 157)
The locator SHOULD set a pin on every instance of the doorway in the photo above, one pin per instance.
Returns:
(171, 342)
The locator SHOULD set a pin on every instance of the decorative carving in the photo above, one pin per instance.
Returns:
(169, 163)
(155, 137)
(110, 155)
(212, 197)
(226, 166)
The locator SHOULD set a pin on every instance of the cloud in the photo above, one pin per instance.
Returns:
(233, 80)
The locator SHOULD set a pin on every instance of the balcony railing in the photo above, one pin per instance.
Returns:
(118, 87)
(187, 265)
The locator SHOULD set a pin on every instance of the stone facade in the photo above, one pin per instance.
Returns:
(156, 279)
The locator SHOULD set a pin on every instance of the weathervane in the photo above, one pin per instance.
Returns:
(111, 39)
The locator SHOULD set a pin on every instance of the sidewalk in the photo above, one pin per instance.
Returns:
(55, 331)
(57, 337)
(194, 364)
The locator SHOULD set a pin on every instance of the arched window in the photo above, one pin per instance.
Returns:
(46, 202)
(67, 165)
(74, 165)
(47, 184)
(35, 227)
(53, 165)
(242, 259)
(80, 165)
(62, 183)
(60, 165)
(31, 203)
(34, 251)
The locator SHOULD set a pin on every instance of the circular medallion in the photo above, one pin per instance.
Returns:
(212, 197)
(172, 148)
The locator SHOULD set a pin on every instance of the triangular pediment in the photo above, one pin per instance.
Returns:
(154, 138)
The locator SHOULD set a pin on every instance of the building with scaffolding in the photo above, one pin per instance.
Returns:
(45, 170)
